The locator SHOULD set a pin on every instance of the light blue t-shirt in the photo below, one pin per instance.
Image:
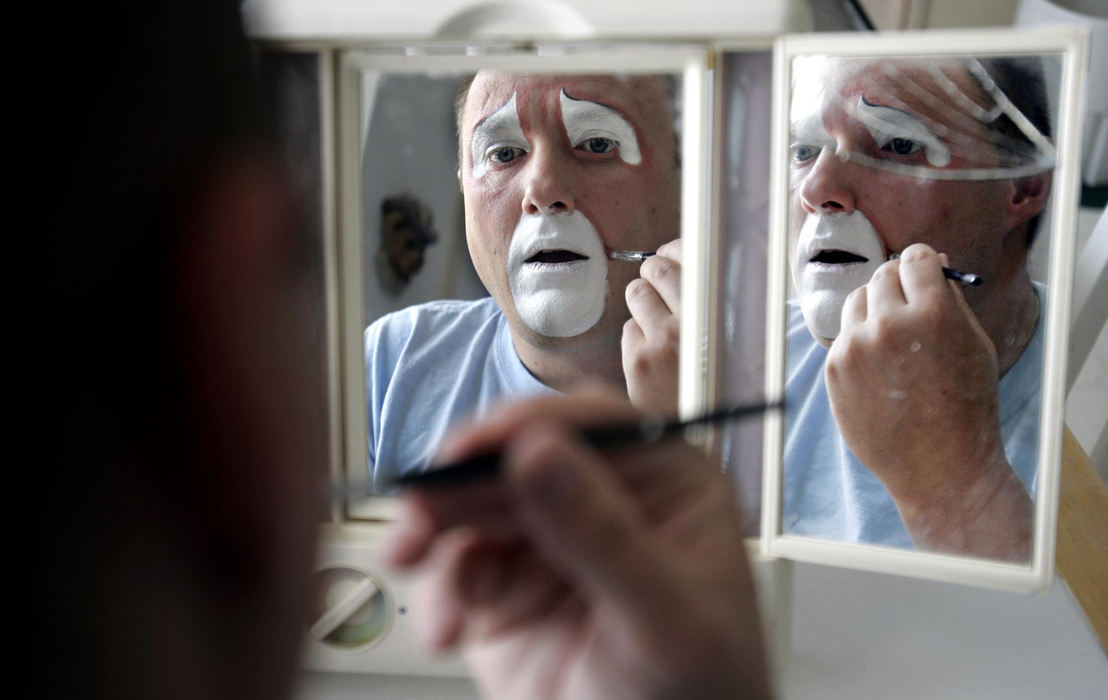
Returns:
(428, 366)
(829, 494)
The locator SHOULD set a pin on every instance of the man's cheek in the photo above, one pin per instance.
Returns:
(620, 274)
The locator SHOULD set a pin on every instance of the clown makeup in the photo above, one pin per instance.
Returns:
(558, 170)
(921, 120)
(558, 273)
(834, 255)
(900, 133)
(599, 129)
(498, 138)
(809, 138)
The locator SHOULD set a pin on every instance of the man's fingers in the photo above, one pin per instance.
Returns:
(439, 622)
(921, 274)
(507, 589)
(411, 535)
(884, 295)
(664, 274)
(854, 309)
(632, 337)
(583, 522)
(959, 295)
(671, 250)
(482, 507)
(647, 307)
(485, 506)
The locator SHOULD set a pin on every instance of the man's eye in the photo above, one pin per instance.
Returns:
(803, 153)
(901, 147)
(599, 145)
(504, 154)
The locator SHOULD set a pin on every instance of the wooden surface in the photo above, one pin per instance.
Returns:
(1082, 555)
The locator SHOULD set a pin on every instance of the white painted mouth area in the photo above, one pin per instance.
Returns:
(822, 287)
(557, 299)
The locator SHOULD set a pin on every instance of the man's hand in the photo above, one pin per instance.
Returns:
(652, 334)
(912, 380)
(577, 575)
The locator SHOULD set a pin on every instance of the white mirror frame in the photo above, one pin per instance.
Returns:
(689, 61)
(1037, 575)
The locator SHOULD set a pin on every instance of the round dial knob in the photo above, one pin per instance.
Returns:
(352, 608)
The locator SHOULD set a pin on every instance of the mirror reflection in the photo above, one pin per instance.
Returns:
(914, 393)
(507, 221)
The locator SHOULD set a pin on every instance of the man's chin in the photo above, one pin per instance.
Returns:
(822, 316)
(556, 315)
(825, 342)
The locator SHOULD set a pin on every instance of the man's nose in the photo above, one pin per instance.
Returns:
(549, 184)
(828, 186)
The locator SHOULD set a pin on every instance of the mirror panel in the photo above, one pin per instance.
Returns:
(922, 421)
(741, 187)
(617, 126)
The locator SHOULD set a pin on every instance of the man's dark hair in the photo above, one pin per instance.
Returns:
(1022, 79)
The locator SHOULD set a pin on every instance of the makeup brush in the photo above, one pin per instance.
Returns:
(964, 277)
(951, 274)
(639, 434)
(630, 255)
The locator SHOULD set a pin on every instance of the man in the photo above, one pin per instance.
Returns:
(180, 413)
(179, 399)
(556, 173)
(896, 435)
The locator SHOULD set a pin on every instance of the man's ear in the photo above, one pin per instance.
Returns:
(1029, 196)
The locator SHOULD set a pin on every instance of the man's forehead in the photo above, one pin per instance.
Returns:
(880, 112)
(915, 84)
(632, 96)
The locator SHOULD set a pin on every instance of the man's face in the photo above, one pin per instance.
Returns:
(885, 154)
(556, 171)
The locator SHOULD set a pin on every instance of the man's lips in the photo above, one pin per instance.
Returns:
(555, 256)
(837, 257)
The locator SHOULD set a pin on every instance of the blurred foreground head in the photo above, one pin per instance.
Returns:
(179, 397)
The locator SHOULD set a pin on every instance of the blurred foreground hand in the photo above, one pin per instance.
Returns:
(578, 575)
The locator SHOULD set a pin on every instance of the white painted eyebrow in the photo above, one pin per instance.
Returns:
(949, 174)
(584, 120)
(499, 129)
(886, 123)
(810, 131)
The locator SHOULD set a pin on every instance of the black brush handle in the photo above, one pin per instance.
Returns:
(644, 432)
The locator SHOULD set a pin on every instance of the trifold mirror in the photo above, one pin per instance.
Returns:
(921, 429)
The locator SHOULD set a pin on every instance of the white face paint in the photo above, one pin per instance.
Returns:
(594, 126)
(896, 130)
(558, 273)
(901, 133)
(835, 255)
(498, 131)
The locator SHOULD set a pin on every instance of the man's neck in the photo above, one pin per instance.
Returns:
(564, 363)
(1009, 314)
